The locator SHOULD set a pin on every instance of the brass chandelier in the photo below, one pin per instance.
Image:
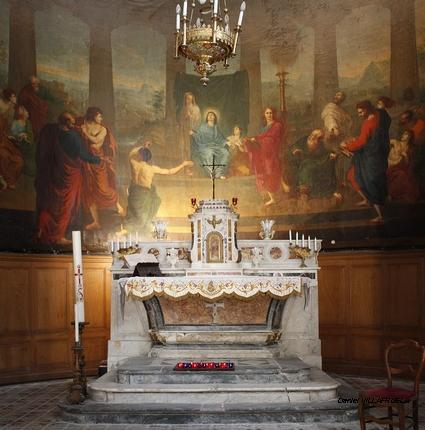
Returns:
(206, 43)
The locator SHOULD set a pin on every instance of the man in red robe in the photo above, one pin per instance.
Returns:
(264, 153)
(100, 184)
(368, 172)
(34, 104)
(59, 178)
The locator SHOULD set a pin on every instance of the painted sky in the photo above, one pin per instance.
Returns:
(62, 45)
(138, 57)
(362, 36)
(63, 51)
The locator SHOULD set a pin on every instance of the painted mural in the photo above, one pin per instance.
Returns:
(319, 123)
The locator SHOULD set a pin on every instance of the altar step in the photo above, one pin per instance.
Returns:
(198, 415)
(266, 381)
(203, 352)
(246, 371)
(260, 390)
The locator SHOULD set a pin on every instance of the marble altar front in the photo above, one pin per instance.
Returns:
(216, 290)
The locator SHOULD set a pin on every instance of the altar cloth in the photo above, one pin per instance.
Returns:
(246, 287)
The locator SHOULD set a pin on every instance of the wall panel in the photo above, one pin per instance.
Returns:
(51, 290)
(366, 299)
(384, 299)
(36, 305)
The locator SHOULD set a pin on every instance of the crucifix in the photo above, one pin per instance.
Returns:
(213, 172)
(79, 276)
(214, 308)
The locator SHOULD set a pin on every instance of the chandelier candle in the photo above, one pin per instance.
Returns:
(78, 279)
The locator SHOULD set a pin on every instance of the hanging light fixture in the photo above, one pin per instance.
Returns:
(206, 43)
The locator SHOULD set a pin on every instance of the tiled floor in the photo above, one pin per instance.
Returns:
(33, 407)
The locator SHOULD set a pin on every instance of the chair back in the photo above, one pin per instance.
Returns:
(414, 369)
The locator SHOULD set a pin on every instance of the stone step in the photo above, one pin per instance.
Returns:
(213, 352)
(260, 371)
(319, 387)
(198, 415)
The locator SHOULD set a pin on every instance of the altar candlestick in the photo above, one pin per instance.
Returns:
(77, 332)
(302, 241)
(290, 236)
(78, 274)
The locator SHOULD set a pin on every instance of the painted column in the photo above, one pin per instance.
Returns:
(404, 76)
(250, 61)
(172, 67)
(22, 51)
(101, 86)
(325, 62)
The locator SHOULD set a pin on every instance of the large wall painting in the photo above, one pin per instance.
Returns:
(319, 124)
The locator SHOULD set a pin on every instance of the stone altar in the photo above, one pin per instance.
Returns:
(252, 302)
(220, 291)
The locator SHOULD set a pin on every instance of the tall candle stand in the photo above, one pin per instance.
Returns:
(78, 388)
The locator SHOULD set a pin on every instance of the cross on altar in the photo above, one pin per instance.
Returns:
(213, 171)
(214, 308)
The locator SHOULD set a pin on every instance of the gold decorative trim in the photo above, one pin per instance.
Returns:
(245, 287)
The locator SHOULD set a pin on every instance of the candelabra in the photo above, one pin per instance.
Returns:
(203, 43)
(78, 388)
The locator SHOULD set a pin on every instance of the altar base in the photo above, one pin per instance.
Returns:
(259, 390)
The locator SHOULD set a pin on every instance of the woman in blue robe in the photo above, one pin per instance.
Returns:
(208, 142)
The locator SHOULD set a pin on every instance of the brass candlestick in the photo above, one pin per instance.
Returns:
(78, 388)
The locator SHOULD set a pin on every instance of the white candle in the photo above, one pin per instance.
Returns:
(309, 242)
(130, 239)
(243, 7)
(290, 236)
(117, 243)
(315, 243)
(137, 237)
(216, 6)
(302, 241)
(78, 274)
(111, 245)
(77, 332)
(178, 10)
(296, 238)
(185, 8)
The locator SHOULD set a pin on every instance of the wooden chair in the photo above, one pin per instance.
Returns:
(393, 397)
